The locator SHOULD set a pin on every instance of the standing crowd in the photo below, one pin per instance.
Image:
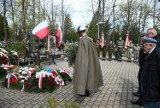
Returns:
(118, 49)
(149, 71)
(87, 71)
(87, 76)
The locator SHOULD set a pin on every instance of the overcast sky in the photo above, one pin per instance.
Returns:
(78, 10)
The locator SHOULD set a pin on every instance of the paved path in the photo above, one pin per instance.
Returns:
(120, 80)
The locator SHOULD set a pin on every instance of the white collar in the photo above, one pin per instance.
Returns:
(151, 50)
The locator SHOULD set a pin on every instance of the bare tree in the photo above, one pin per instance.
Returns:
(4, 15)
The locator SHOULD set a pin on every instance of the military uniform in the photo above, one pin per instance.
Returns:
(136, 49)
(110, 50)
(120, 44)
(130, 51)
(25, 43)
(98, 47)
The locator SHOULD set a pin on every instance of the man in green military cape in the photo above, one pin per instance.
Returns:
(87, 76)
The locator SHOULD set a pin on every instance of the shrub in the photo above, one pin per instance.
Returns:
(3, 72)
(16, 47)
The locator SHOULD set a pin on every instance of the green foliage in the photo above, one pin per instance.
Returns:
(65, 76)
(53, 103)
(69, 33)
(42, 105)
(3, 72)
(16, 47)
(73, 37)
(2, 34)
(92, 30)
(70, 53)
(71, 105)
(12, 58)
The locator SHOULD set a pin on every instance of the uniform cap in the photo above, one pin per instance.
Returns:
(81, 28)
(149, 40)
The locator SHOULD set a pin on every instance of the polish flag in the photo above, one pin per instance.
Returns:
(59, 35)
(102, 41)
(41, 30)
(128, 41)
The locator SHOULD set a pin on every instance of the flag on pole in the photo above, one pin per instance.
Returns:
(59, 35)
(41, 30)
(127, 41)
(102, 41)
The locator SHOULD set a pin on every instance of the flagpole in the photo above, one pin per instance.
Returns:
(49, 42)
(62, 18)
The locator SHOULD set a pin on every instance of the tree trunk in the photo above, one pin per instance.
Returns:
(4, 15)
(23, 18)
(13, 20)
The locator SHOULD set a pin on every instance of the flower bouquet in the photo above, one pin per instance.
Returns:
(3, 56)
(36, 80)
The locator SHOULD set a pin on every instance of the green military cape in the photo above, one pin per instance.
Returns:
(87, 71)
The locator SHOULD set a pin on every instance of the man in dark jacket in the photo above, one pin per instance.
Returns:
(141, 58)
(150, 79)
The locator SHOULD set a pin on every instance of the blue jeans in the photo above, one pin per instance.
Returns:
(151, 104)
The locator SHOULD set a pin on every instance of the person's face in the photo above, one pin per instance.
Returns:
(80, 34)
(151, 33)
(147, 47)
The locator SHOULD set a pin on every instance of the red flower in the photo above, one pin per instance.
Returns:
(13, 80)
(30, 78)
(29, 86)
(51, 85)
(54, 73)
(25, 82)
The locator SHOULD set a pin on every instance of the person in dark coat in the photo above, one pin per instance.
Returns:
(150, 79)
(141, 58)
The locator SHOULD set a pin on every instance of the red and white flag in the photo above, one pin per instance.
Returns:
(41, 30)
(59, 35)
(102, 41)
(128, 41)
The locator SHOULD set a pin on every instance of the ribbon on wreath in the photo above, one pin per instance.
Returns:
(42, 74)
(9, 76)
(67, 72)
(59, 81)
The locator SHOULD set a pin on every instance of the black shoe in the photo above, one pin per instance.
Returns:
(136, 93)
(87, 93)
(137, 102)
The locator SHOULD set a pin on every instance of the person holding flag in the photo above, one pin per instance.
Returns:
(103, 46)
(129, 47)
(59, 35)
